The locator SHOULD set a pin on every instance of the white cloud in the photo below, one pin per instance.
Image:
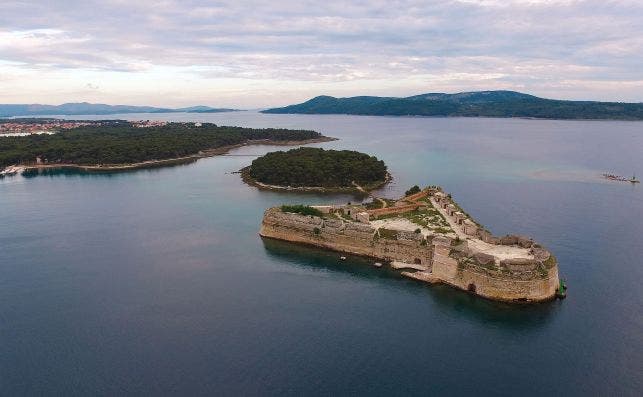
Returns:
(238, 53)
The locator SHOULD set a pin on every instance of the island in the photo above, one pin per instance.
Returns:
(468, 104)
(428, 237)
(118, 145)
(316, 169)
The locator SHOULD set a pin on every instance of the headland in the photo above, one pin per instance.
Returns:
(117, 145)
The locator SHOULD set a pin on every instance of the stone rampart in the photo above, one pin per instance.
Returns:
(479, 273)
(351, 237)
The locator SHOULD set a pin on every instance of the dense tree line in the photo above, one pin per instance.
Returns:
(317, 167)
(119, 142)
(302, 209)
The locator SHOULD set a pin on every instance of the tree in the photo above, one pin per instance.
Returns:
(413, 190)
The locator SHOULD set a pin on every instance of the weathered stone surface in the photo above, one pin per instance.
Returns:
(520, 264)
(488, 237)
(409, 236)
(511, 239)
(483, 259)
(540, 254)
(334, 223)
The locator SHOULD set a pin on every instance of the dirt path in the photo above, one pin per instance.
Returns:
(361, 189)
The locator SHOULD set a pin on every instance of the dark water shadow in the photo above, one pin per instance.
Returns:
(460, 303)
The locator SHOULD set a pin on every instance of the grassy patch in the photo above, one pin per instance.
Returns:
(302, 209)
(442, 230)
(388, 233)
(550, 262)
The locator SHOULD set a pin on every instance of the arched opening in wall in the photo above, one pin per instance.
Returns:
(471, 288)
(417, 261)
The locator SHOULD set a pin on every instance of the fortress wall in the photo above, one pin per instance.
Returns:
(416, 196)
(360, 239)
(507, 289)
(444, 267)
(354, 238)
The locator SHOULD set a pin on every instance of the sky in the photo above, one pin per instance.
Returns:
(247, 54)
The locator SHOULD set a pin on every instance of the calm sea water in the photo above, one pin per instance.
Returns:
(156, 282)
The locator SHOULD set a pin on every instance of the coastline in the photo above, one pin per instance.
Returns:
(172, 161)
(462, 116)
(356, 189)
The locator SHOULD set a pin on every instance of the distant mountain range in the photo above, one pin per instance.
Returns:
(468, 104)
(96, 108)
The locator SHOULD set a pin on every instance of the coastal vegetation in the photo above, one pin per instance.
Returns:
(468, 104)
(315, 167)
(413, 190)
(120, 142)
(302, 209)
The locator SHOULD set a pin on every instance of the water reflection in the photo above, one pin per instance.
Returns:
(459, 303)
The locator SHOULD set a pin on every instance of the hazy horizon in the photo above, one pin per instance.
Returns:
(249, 109)
(259, 55)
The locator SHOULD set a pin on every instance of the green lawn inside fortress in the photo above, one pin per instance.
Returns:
(429, 218)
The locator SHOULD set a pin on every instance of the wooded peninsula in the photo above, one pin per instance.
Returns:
(102, 144)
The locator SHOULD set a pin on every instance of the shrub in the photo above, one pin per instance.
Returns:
(413, 190)
(388, 233)
(302, 209)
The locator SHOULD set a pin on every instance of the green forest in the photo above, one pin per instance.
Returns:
(119, 142)
(468, 104)
(318, 167)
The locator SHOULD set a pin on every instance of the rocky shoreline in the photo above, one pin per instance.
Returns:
(354, 189)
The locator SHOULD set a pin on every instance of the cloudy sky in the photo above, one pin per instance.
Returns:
(250, 54)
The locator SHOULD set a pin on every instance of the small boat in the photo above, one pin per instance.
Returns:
(377, 264)
(613, 177)
(11, 170)
(342, 258)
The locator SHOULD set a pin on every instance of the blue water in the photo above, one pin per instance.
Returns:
(156, 282)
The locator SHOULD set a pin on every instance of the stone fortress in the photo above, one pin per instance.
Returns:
(431, 239)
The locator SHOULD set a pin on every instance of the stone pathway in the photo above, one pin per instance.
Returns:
(456, 228)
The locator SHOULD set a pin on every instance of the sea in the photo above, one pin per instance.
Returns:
(156, 282)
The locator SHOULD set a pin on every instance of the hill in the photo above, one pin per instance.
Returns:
(468, 104)
(95, 108)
